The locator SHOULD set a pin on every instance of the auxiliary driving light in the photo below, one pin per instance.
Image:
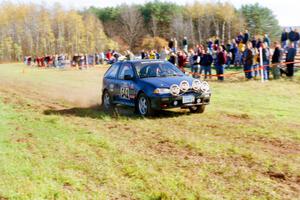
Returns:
(204, 87)
(175, 90)
(184, 86)
(196, 85)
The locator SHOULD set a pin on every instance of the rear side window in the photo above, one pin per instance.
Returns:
(126, 69)
(112, 71)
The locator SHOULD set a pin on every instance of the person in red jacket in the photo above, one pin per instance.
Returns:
(182, 59)
(108, 55)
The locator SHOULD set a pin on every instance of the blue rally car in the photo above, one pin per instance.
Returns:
(151, 85)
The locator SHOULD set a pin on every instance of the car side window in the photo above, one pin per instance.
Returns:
(126, 69)
(112, 71)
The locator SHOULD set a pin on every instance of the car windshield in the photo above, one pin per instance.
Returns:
(162, 69)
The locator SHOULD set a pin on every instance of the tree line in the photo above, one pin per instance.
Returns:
(31, 29)
(197, 21)
(34, 29)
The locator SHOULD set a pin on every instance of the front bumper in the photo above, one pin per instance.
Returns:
(168, 101)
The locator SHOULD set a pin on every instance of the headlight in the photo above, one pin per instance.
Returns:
(161, 91)
(175, 90)
(196, 85)
(204, 87)
(184, 86)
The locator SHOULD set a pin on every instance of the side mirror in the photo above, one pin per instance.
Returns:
(128, 77)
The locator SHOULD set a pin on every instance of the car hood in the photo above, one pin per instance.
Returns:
(166, 82)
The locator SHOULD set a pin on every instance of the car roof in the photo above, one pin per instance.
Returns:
(146, 61)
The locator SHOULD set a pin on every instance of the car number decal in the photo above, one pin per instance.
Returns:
(111, 87)
(124, 92)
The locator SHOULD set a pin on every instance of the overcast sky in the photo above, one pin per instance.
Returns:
(287, 11)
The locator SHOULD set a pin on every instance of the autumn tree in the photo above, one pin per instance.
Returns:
(31, 29)
(150, 43)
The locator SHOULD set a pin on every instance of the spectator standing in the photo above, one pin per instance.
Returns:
(235, 53)
(232, 51)
(217, 41)
(143, 54)
(129, 55)
(157, 55)
(290, 57)
(173, 58)
(240, 38)
(206, 61)
(254, 42)
(55, 61)
(258, 43)
(246, 37)
(102, 57)
(297, 38)
(266, 60)
(109, 55)
(190, 58)
(81, 61)
(97, 58)
(248, 61)
(196, 65)
(164, 53)
(220, 62)
(185, 44)
(182, 59)
(255, 61)
(267, 40)
(171, 44)
(175, 45)
(210, 45)
(292, 36)
(152, 55)
(241, 51)
(276, 60)
(284, 38)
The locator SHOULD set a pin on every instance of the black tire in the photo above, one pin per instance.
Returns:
(197, 109)
(107, 105)
(143, 106)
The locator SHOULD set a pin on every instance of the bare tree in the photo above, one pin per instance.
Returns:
(154, 26)
(131, 25)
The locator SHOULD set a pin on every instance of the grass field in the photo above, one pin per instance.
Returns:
(55, 143)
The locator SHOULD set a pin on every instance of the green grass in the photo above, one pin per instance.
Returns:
(245, 146)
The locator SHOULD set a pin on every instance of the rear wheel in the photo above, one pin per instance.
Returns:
(143, 106)
(107, 104)
(197, 109)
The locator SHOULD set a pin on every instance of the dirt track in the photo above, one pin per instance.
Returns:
(83, 90)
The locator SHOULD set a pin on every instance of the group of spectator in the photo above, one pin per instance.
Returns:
(290, 36)
(242, 51)
(47, 60)
(77, 60)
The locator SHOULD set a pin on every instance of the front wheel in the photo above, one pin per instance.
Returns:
(143, 106)
(197, 109)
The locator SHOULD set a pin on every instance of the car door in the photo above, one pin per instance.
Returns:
(110, 80)
(126, 85)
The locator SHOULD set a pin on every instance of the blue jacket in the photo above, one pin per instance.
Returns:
(284, 36)
(246, 38)
(290, 56)
(292, 36)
